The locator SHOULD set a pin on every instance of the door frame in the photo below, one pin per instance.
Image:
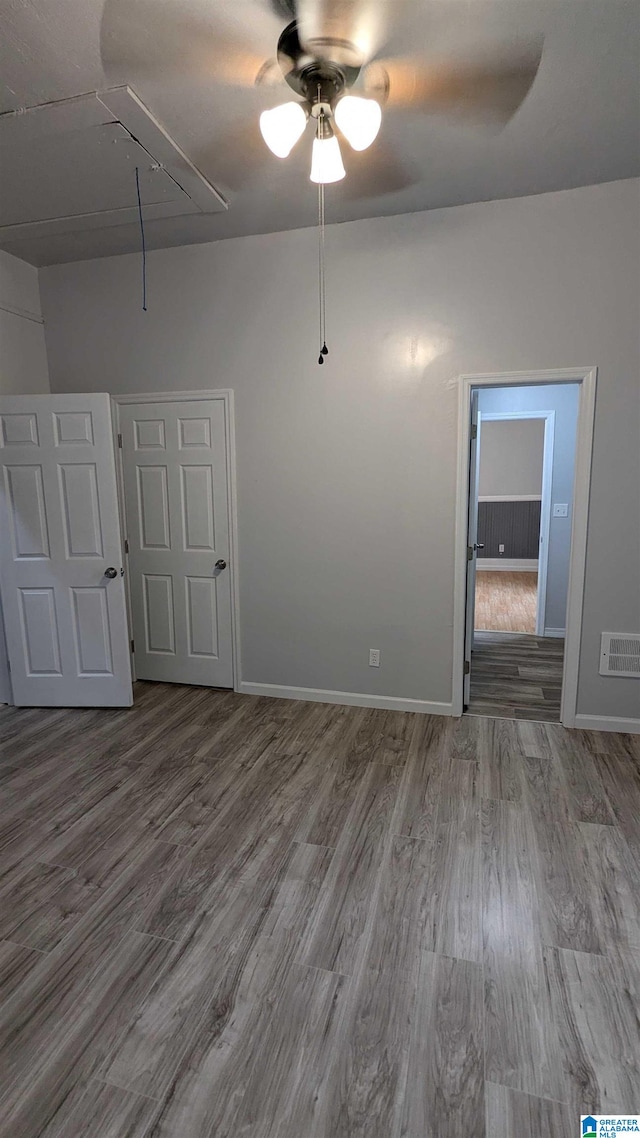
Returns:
(225, 395)
(586, 377)
(545, 503)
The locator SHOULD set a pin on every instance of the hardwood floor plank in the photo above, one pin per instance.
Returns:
(62, 981)
(199, 979)
(335, 939)
(445, 1078)
(295, 899)
(208, 1084)
(621, 780)
(43, 904)
(586, 790)
(567, 915)
(325, 820)
(420, 791)
(597, 1018)
(501, 762)
(522, 1047)
(16, 962)
(512, 1113)
(615, 897)
(98, 1110)
(281, 1096)
(369, 1074)
(454, 924)
(75, 1047)
(248, 841)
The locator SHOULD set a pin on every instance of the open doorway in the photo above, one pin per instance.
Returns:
(524, 493)
(514, 486)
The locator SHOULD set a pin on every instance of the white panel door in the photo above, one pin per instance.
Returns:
(177, 507)
(61, 558)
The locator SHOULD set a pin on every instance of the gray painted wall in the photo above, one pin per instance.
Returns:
(511, 457)
(563, 399)
(23, 363)
(347, 473)
(23, 356)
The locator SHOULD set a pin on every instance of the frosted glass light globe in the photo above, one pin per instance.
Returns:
(359, 120)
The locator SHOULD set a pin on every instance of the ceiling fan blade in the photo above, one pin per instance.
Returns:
(347, 31)
(235, 158)
(375, 172)
(159, 38)
(485, 90)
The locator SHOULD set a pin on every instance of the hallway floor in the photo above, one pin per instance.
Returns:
(516, 677)
(225, 916)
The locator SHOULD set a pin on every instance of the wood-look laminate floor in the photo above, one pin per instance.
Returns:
(506, 602)
(516, 677)
(232, 917)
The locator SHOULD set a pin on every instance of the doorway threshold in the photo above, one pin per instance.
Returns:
(516, 676)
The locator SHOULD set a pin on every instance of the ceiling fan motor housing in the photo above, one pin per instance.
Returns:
(319, 78)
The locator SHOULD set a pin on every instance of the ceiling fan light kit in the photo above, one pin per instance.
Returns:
(322, 82)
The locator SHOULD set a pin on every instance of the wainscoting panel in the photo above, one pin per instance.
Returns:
(516, 525)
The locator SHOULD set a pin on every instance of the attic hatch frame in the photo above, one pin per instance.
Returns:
(117, 106)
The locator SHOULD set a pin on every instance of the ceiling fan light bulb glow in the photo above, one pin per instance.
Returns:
(282, 126)
(359, 120)
(326, 161)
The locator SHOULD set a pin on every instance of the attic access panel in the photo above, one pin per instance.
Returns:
(70, 166)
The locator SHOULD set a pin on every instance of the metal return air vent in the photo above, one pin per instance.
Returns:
(620, 654)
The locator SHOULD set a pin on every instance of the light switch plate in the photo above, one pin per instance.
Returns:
(561, 509)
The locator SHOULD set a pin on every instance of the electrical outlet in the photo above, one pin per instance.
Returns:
(501, 549)
(374, 657)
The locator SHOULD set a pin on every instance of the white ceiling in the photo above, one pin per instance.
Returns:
(580, 123)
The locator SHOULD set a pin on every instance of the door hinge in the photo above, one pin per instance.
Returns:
(8, 664)
(120, 442)
(469, 553)
(126, 545)
(467, 667)
(474, 430)
(132, 647)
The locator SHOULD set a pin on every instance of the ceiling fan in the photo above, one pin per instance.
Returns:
(326, 54)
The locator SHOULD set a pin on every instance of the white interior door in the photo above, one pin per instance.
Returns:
(61, 559)
(177, 507)
(472, 544)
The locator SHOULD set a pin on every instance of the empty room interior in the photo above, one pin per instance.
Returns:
(319, 568)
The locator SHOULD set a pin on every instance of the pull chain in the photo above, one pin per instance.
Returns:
(321, 276)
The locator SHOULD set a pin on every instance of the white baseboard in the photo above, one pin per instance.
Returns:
(607, 723)
(508, 564)
(347, 698)
(559, 632)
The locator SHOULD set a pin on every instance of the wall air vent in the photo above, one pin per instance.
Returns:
(620, 654)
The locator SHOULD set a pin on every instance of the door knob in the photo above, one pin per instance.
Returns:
(481, 546)
(111, 572)
(220, 564)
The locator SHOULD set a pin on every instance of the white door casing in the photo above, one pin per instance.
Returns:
(587, 378)
(176, 493)
(472, 539)
(65, 618)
